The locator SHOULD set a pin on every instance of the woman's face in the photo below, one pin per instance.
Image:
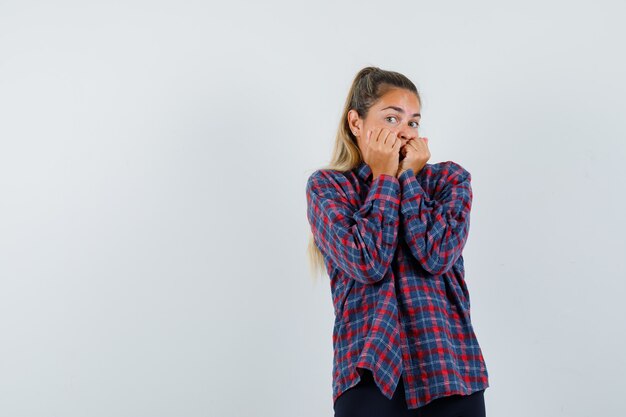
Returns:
(398, 110)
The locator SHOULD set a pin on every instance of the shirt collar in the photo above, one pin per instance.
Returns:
(364, 171)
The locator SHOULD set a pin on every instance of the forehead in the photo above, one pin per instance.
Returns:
(400, 97)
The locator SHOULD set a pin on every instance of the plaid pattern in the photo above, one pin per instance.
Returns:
(392, 248)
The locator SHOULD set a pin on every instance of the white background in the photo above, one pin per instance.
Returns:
(153, 161)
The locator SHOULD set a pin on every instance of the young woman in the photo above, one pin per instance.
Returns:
(390, 229)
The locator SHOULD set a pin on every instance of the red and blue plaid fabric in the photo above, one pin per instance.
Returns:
(392, 249)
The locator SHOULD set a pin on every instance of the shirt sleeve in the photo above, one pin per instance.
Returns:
(361, 241)
(436, 229)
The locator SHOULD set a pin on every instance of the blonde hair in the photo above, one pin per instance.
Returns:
(368, 86)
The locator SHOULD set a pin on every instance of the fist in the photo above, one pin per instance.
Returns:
(414, 154)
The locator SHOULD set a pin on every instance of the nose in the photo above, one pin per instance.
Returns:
(405, 133)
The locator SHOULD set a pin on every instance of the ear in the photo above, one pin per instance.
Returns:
(354, 122)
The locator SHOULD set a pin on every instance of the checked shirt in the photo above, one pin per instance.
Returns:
(392, 248)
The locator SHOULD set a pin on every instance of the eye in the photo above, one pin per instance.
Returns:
(416, 124)
(390, 117)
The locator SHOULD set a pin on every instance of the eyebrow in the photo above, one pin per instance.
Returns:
(399, 110)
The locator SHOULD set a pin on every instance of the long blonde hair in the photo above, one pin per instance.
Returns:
(368, 86)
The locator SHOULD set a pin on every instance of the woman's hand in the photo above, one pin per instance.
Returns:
(416, 155)
(382, 151)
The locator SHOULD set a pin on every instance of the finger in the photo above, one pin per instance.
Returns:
(391, 137)
(396, 139)
(412, 143)
(387, 136)
(420, 142)
(398, 143)
(383, 133)
(373, 136)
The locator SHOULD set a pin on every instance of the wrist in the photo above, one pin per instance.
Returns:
(376, 174)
